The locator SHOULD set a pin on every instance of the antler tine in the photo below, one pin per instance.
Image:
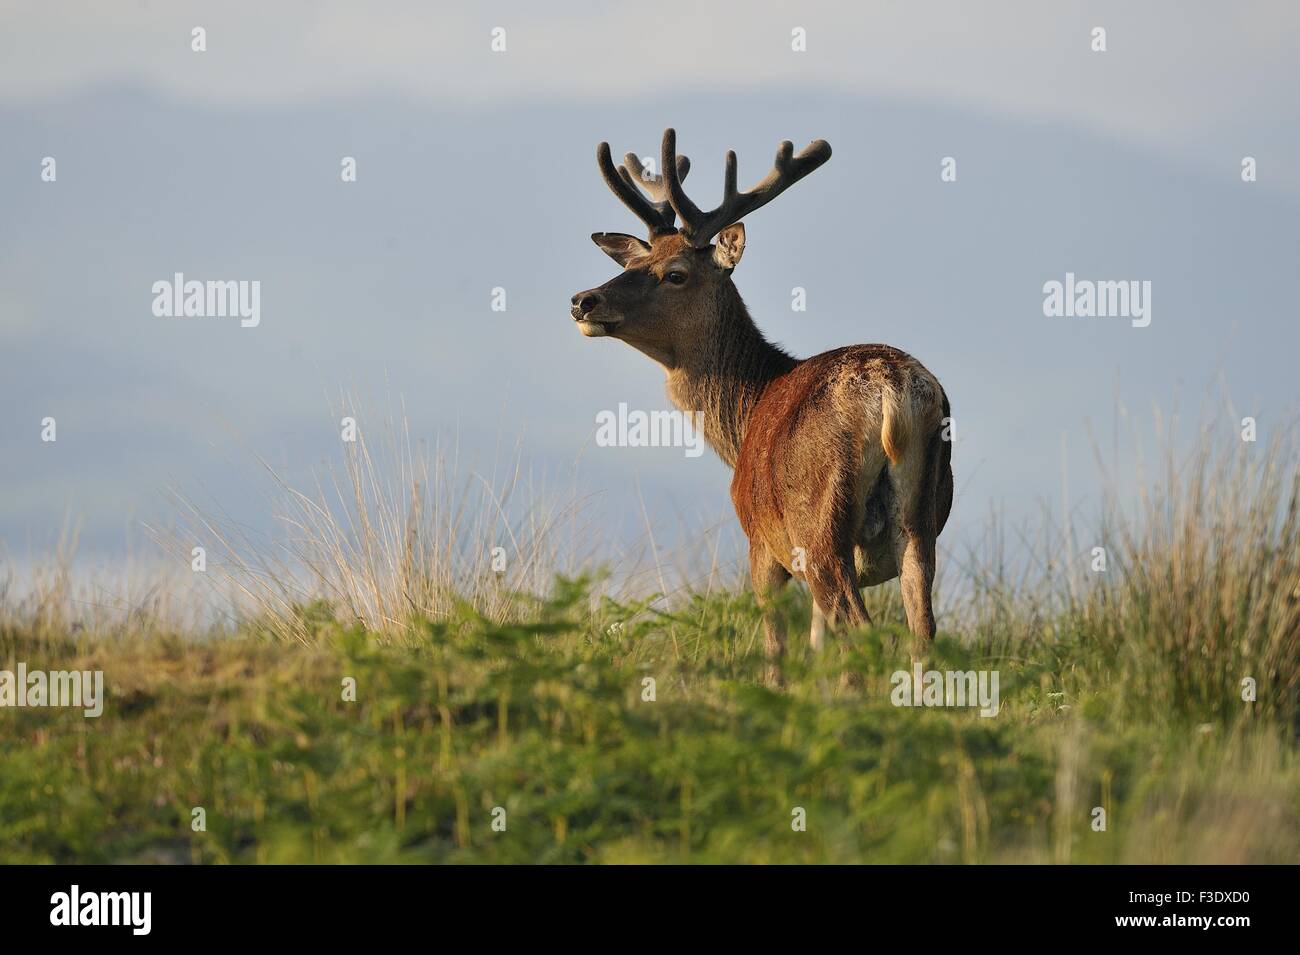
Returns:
(656, 212)
(686, 210)
(654, 185)
(787, 169)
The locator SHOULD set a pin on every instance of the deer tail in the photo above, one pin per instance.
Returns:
(895, 422)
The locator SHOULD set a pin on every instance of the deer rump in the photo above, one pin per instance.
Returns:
(842, 454)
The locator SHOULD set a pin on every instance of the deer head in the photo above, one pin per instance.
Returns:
(675, 288)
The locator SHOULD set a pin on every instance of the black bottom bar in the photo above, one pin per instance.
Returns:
(332, 905)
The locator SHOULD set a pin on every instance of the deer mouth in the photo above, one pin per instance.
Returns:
(595, 328)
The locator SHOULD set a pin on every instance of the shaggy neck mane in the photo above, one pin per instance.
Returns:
(725, 375)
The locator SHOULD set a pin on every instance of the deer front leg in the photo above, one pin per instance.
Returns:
(769, 577)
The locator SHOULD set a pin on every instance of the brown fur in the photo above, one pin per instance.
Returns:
(829, 486)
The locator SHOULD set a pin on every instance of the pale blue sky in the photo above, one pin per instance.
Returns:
(476, 170)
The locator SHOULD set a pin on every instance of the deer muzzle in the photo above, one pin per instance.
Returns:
(590, 312)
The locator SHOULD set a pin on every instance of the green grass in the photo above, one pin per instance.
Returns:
(547, 720)
(478, 692)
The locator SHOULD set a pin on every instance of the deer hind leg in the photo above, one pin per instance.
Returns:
(817, 639)
(916, 577)
(914, 543)
(831, 571)
(836, 598)
(836, 601)
(769, 578)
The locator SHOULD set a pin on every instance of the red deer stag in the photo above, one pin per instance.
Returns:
(842, 464)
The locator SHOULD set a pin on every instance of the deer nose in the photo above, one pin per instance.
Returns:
(584, 302)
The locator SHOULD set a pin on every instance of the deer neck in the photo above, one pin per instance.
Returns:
(723, 375)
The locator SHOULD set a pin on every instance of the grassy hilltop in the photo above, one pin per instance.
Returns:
(1120, 690)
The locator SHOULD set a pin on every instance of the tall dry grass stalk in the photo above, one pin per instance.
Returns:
(54, 596)
(388, 537)
(1202, 590)
(41, 601)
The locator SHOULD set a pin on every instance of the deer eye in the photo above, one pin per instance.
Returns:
(675, 277)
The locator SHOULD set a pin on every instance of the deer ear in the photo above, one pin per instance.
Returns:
(730, 247)
(619, 247)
